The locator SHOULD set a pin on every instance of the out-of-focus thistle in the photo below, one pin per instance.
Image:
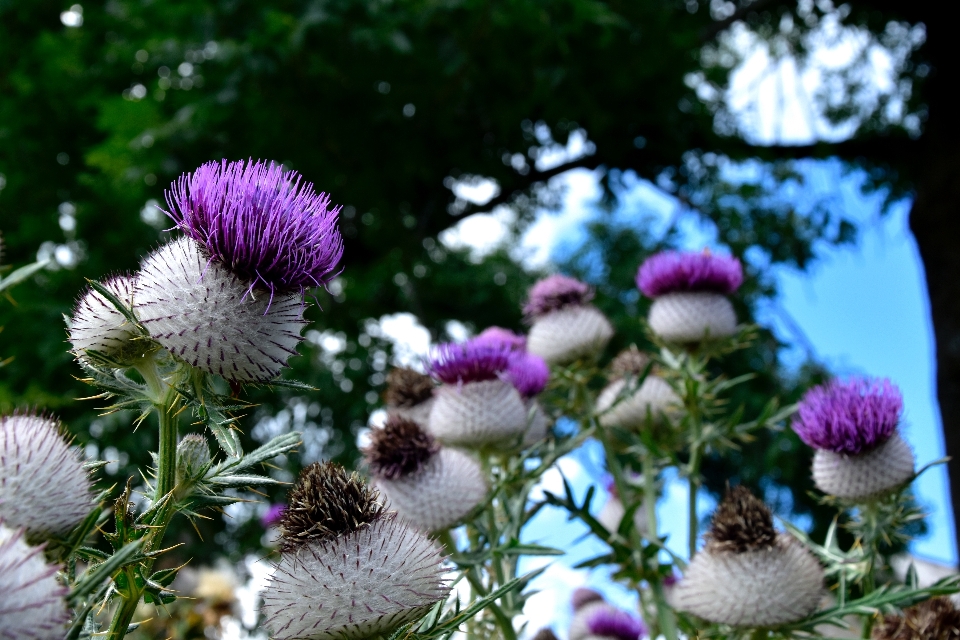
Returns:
(565, 326)
(97, 325)
(43, 485)
(476, 406)
(748, 575)
(348, 568)
(689, 294)
(32, 605)
(431, 487)
(934, 619)
(229, 297)
(853, 427)
(621, 408)
(409, 394)
(499, 336)
(612, 512)
(529, 374)
(595, 619)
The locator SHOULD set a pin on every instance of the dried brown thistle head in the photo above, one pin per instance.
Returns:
(934, 619)
(326, 502)
(407, 388)
(399, 448)
(741, 523)
(629, 362)
(545, 633)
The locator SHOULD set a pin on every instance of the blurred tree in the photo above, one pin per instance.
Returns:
(393, 107)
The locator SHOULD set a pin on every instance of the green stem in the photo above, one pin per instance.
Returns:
(665, 619)
(694, 485)
(167, 455)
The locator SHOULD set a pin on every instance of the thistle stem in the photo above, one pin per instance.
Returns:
(167, 454)
(665, 619)
(694, 486)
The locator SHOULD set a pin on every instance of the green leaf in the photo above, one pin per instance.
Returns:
(97, 574)
(22, 274)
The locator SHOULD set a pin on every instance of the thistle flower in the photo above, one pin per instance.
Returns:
(853, 427)
(594, 618)
(97, 325)
(476, 406)
(431, 487)
(748, 575)
(498, 336)
(624, 404)
(689, 292)
(565, 326)
(528, 373)
(32, 605)
(409, 394)
(264, 224)
(933, 619)
(348, 569)
(43, 485)
(205, 315)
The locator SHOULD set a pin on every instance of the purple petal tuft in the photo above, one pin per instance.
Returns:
(265, 224)
(528, 373)
(499, 336)
(469, 362)
(673, 271)
(615, 623)
(849, 417)
(556, 292)
(273, 516)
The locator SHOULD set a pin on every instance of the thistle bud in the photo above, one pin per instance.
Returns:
(193, 458)
(618, 408)
(409, 394)
(32, 605)
(99, 326)
(43, 485)
(565, 326)
(348, 569)
(748, 575)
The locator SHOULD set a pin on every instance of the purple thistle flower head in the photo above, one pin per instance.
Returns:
(273, 516)
(265, 224)
(614, 623)
(849, 417)
(672, 271)
(528, 373)
(468, 362)
(500, 336)
(556, 292)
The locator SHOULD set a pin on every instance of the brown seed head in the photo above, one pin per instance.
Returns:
(545, 634)
(741, 523)
(407, 388)
(399, 448)
(629, 362)
(326, 502)
(934, 619)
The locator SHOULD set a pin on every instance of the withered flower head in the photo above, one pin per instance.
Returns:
(327, 502)
(741, 523)
(399, 448)
(629, 362)
(934, 619)
(545, 633)
(407, 388)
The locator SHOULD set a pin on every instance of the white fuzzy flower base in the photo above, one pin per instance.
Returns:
(32, 605)
(96, 324)
(358, 585)
(654, 395)
(856, 477)
(538, 423)
(205, 315)
(419, 413)
(478, 413)
(757, 588)
(567, 334)
(691, 316)
(438, 496)
(43, 485)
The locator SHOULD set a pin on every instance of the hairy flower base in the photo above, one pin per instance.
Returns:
(567, 334)
(96, 324)
(538, 423)
(438, 496)
(857, 477)
(419, 413)
(611, 515)
(763, 587)
(32, 605)
(358, 585)
(43, 485)
(691, 316)
(203, 314)
(478, 413)
(654, 395)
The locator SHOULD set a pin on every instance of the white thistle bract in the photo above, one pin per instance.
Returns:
(855, 477)
(354, 586)
(478, 413)
(440, 494)
(32, 605)
(43, 485)
(96, 324)
(207, 316)
(618, 408)
(763, 587)
(569, 333)
(689, 316)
